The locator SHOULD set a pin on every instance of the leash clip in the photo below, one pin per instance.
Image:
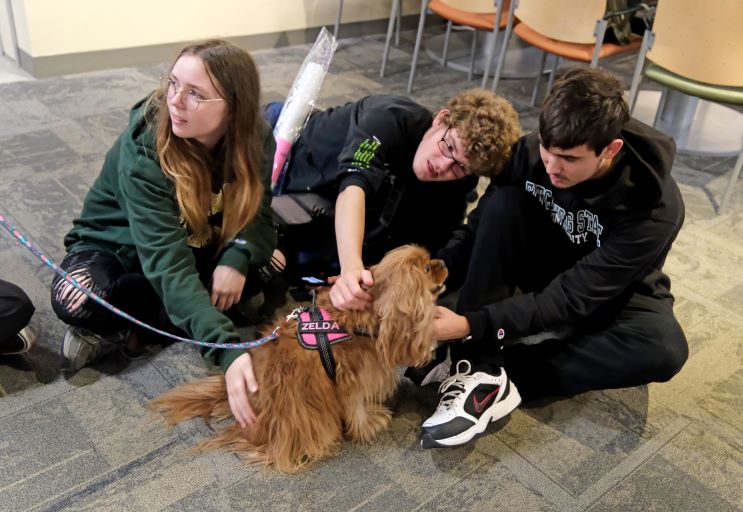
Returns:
(294, 315)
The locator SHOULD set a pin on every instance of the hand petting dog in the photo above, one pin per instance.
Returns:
(299, 414)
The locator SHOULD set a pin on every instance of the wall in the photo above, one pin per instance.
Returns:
(62, 36)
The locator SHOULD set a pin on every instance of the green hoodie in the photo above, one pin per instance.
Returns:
(131, 211)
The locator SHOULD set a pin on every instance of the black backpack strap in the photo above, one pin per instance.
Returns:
(390, 207)
(323, 345)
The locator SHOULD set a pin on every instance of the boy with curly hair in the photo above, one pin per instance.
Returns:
(396, 174)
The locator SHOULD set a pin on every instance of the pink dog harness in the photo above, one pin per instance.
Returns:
(316, 330)
(316, 323)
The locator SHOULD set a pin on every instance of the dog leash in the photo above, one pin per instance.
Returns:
(92, 295)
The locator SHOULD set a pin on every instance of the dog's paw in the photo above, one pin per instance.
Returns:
(368, 422)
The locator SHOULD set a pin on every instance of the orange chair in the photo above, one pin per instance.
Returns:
(475, 14)
(564, 28)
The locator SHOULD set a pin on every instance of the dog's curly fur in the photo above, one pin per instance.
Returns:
(301, 414)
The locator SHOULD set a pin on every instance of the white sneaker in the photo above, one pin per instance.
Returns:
(438, 370)
(20, 344)
(468, 404)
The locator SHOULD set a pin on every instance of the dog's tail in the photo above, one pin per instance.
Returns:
(203, 398)
(298, 416)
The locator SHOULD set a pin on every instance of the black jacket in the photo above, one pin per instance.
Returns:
(371, 143)
(629, 218)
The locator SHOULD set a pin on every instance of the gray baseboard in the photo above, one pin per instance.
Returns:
(56, 65)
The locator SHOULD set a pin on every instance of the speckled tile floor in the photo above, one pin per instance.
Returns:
(88, 443)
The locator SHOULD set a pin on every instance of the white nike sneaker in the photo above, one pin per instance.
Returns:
(468, 404)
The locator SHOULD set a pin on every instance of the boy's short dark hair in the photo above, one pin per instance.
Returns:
(585, 106)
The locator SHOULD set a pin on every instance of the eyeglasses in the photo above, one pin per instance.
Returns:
(191, 99)
(458, 169)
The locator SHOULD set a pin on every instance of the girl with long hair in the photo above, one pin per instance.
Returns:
(178, 222)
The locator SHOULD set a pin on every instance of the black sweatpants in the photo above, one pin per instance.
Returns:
(632, 340)
(16, 310)
(129, 291)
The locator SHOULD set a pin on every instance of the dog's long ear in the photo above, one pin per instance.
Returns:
(404, 305)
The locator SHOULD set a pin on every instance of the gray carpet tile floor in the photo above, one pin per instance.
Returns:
(89, 443)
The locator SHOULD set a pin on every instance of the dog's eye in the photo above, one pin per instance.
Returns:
(427, 268)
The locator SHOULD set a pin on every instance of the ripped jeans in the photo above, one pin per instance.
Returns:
(103, 274)
(131, 292)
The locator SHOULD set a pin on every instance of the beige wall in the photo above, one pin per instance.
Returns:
(59, 27)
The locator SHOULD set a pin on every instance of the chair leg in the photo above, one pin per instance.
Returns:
(647, 43)
(661, 105)
(472, 55)
(399, 21)
(553, 73)
(445, 53)
(543, 60)
(504, 46)
(598, 32)
(390, 27)
(490, 53)
(734, 175)
(418, 38)
(338, 18)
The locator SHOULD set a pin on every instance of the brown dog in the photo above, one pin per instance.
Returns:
(301, 413)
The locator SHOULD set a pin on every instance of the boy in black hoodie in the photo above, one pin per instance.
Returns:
(567, 245)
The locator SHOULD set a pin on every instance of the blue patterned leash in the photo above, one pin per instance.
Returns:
(92, 295)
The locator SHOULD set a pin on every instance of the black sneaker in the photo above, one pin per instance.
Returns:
(468, 404)
(82, 347)
(20, 344)
(437, 370)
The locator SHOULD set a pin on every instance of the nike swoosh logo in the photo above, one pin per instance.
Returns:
(481, 404)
